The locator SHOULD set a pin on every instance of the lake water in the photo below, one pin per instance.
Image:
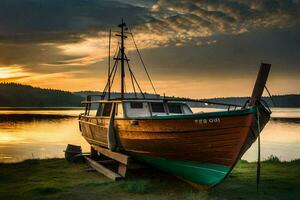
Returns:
(28, 134)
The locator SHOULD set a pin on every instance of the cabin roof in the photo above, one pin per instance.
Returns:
(178, 100)
(132, 100)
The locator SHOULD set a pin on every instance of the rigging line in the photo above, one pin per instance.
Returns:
(113, 72)
(134, 77)
(258, 152)
(273, 102)
(132, 81)
(140, 56)
(133, 86)
(132, 74)
(125, 87)
(136, 82)
(116, 63)
(105, 90)
(115, 54)
(113, 78)
(117, 50)
(106, 86)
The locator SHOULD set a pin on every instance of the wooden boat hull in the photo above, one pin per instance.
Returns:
(200, 148)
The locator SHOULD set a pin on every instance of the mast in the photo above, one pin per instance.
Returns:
(109, 63)
(121, 56)
(122, 49)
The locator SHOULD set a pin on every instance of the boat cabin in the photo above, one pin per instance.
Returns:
(139, 108)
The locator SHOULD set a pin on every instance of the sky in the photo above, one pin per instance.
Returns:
(192, 48)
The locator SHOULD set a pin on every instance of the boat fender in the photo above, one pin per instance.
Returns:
(111, 135)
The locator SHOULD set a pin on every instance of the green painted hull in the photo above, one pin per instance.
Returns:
(203, 174)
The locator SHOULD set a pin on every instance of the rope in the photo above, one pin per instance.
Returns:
(113, 72)
(140, 56)
(258, 152)
(134, 78)
(133, 85)
(273, 102)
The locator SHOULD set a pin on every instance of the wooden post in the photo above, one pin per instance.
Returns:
(260, 83)
(103, 170)
(122, 169)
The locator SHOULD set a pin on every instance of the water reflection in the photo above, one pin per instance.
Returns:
(281, 137)
(39, 136)
(45, 134)
(286, 120)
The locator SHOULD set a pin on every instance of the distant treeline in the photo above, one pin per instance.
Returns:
(17, 95)
(288, 101)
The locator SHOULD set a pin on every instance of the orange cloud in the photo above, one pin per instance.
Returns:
(12, 73)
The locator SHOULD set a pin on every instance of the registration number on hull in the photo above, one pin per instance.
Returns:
(208, 120)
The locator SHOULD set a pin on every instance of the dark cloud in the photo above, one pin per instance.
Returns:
(71, 20)
(66, 20)
(232, 56)
(32, 30)
(212, 17)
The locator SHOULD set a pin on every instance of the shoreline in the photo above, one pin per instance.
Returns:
(56, 178)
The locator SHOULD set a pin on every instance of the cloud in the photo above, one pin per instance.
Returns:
(84, 24)
(61, 21)
(48, 37)
(12, 73)
(190, 20)
(74, 32)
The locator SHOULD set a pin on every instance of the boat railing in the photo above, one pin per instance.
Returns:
(206, 103)
(90, 101)
(101, 121)
(82, 116)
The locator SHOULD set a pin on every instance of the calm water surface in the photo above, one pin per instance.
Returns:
(45, 134)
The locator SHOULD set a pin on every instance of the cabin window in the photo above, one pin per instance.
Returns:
(137, 105)
(174, 108)
(107, 109)
(99, 110)
(186, 109)
(157, 107)
(142, 111)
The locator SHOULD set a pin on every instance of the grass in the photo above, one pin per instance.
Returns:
(58, 179)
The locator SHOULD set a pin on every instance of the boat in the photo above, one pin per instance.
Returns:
(201, 148)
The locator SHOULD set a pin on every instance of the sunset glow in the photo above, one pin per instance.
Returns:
(12, 73)
(194, 49)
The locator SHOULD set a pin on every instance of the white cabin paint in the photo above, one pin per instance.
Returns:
(132, 109)
(144, 111)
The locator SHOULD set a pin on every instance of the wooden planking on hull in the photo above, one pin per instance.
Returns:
(264, 117)
(218, 143)
(183, 125)
(94, 132)
(197, 147)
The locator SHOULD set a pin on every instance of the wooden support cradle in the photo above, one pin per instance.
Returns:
(124, 163)
(122, 159)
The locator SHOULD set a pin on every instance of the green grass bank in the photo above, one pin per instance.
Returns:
(58, 179)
